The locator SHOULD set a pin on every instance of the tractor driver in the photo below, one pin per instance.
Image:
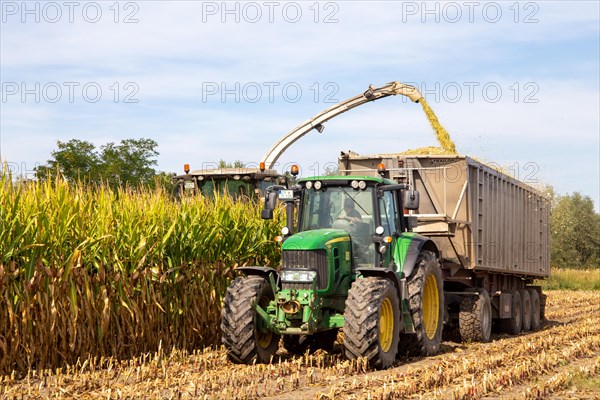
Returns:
(349, 213)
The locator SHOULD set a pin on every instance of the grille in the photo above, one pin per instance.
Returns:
(315, 260)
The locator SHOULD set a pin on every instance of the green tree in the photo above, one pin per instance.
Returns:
(130, 162)
(575, 232)
(236, 164)
(74, 159)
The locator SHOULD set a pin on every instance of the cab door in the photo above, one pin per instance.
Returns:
(388, 214)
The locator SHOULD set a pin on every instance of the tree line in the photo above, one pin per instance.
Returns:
(128, 163)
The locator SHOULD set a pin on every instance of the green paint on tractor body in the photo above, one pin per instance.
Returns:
(314, 240)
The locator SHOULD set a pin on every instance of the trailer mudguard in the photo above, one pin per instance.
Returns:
(407, 250)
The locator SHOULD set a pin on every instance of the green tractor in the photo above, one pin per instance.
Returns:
(349, 261)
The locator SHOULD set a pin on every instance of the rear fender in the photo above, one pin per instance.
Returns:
(409, 247)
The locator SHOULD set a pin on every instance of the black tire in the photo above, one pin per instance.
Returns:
(428, 331)
(543, 299)
(298, 344)
(475, 317)
(513, 324)
(526, 310)
(244, 333)
(372, 321)
(534, 297)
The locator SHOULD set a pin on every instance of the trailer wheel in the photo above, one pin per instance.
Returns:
(372, 321)
(535, 309)
(426, 303)
(514, 323)
(475, 317)
(526, 307)
(245, 335)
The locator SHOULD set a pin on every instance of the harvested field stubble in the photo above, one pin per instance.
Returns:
(532, 365)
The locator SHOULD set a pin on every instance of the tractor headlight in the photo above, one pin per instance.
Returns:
(309, 185)
(285, 231)
(318, 185)
(298, 276)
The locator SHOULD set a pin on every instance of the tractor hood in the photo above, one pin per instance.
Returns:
(316, 239)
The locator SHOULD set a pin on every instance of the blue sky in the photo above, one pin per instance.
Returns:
(516, 83)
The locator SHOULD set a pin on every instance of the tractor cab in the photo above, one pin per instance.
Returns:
(365, 210)
(234, 182)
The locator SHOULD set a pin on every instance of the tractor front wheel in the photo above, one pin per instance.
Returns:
(372, 321)
(245, 334)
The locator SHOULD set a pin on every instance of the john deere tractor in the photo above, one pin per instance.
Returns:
(349, 261)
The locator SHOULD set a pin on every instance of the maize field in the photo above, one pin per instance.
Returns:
(562, 360)
(89, 272)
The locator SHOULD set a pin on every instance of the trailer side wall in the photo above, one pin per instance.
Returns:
(480, 218)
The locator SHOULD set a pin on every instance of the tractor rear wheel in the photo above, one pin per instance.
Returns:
(245, 334)
(372, 321)
(426, 301)
(475, 317)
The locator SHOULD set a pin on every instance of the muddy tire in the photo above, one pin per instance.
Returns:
(426, 304)
(534, 297)
(526, 310)
(245, 335)
(513, 325)
(475, 317)
(372, 321)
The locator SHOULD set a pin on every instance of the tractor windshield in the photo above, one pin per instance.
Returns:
(232, 187)
(343, 208)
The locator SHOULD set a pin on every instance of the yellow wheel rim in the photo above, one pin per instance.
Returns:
(386, 325)
(431, 306)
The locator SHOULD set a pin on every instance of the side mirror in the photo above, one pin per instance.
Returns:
(411, 199)
(270, 201)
